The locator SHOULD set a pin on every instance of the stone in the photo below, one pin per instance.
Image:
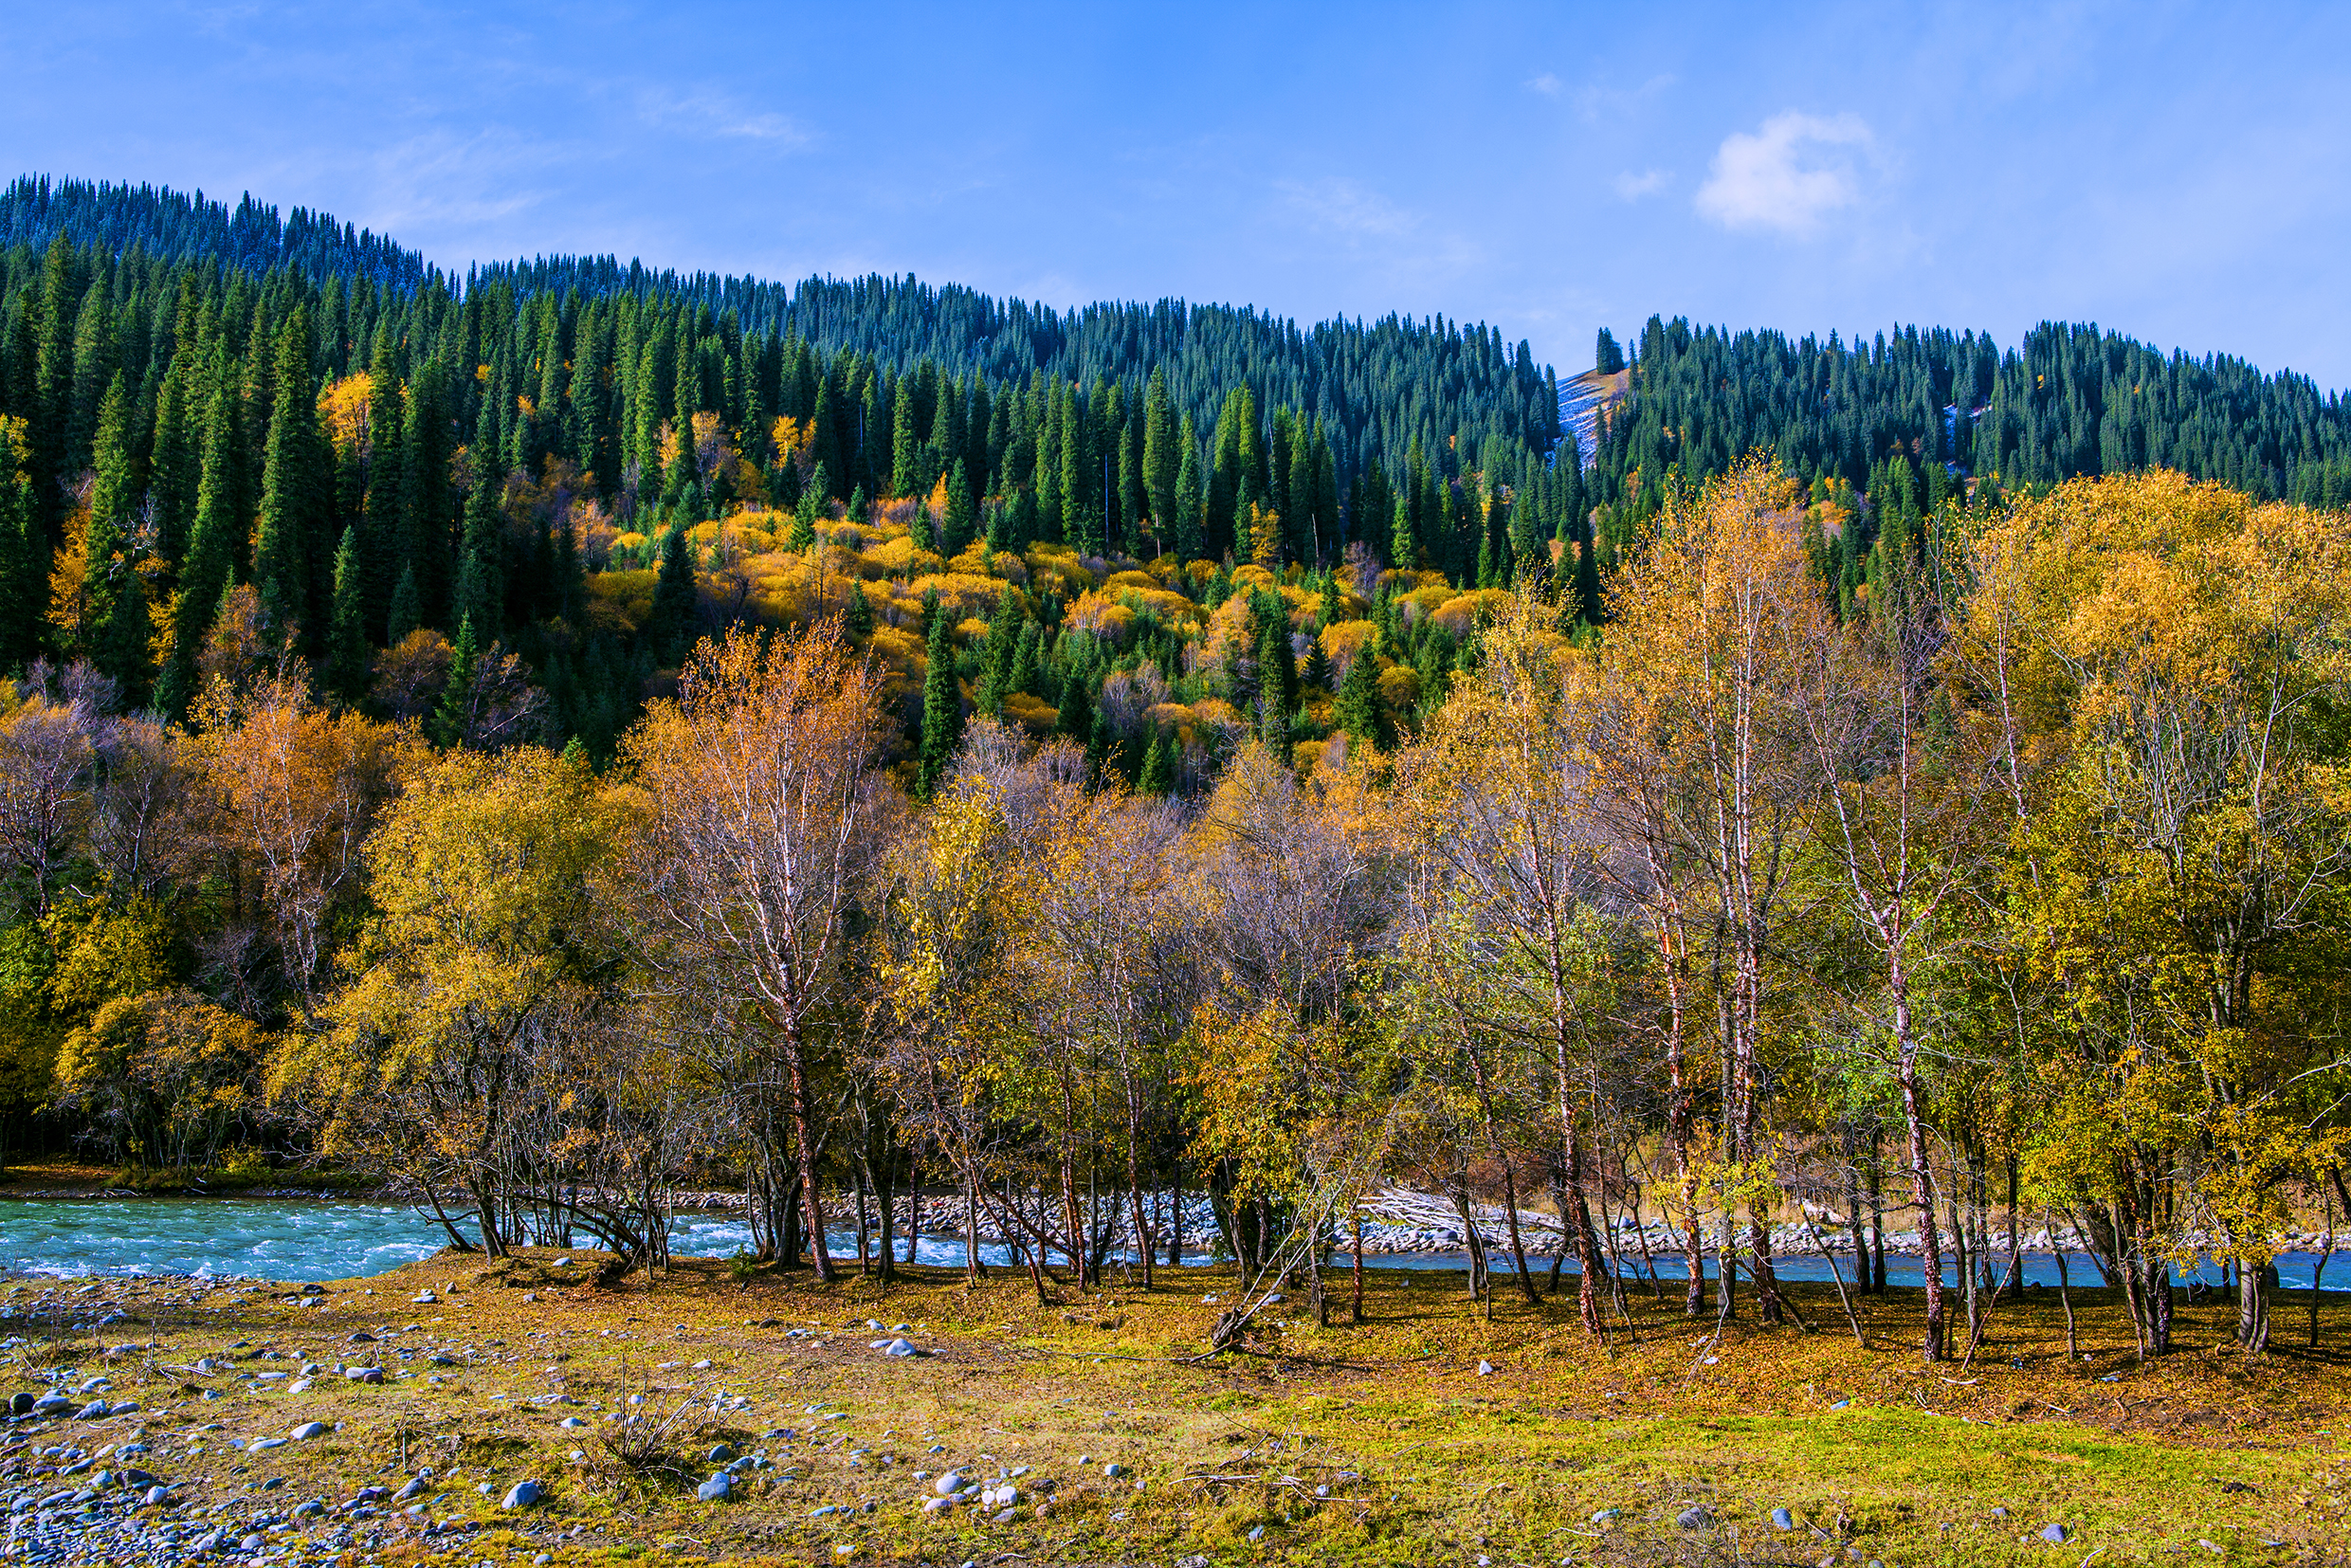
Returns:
(1607, 1517)
(1114, 1469)
(262, 1445)
(158, 1495)
(20, 1404)
(717, 1489)
(1782, 1520)
(949, 1484)
(364, 1374)
(571, 1422)
(1699, 1518)
(2056, 1535)
(523, 1494)
(97, 1410)
(1486, 1369)
(896, 1347)
(309, 1430)
(721, 1452)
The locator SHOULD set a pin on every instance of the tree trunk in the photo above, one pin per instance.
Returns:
(803, 1136)
(2253, 1305)
(1923, 1181)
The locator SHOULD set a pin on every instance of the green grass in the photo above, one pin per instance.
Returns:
(1452, 1465)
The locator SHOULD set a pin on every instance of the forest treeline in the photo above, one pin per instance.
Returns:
(2015, 900)
(573, 731)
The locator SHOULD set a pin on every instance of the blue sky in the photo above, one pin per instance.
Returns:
(2177, 172)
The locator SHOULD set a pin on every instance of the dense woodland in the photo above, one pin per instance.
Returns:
(578, 734)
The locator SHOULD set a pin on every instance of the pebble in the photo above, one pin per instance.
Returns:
(309, 1430)
(1782, 1520)
(1699, 1518)
(717, 1489)
(1486, 1369)
(2056, 1535)
(523, 1494)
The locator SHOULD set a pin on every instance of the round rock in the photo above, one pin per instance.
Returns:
(523, 1494)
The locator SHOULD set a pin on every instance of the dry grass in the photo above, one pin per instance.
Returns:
(2139, 1463)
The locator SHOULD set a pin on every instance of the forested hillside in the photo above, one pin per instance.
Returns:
(560, 736)
(1912, 417)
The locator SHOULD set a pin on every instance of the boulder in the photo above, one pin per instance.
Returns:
(523, 1494)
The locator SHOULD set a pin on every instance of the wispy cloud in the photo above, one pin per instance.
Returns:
(1345, 206)
(1787, 175)
(1547, 84)
(1633, 187)
(1597, 104)
(715, 114)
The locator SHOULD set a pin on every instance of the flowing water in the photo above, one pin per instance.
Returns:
(307, 1238)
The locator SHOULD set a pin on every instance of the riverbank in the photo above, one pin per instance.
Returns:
(427, 1396)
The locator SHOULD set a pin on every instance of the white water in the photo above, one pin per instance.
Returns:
(311, 1239)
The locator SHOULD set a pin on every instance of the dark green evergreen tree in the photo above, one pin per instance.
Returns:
(669, 624)
(1357, 713)
(1158, 774)
(942, 709)
(347, 646)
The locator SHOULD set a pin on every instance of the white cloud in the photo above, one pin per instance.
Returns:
(715, 114)
(1546, 84)
(1601, 103)
(1348, 208)
(1787, 175)
(1633, 187)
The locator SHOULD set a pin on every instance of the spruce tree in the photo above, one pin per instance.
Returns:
(407, 610)
(1102, 749)
(347, 643)
(1076, 717)
(481, 588)
(1158, 774)
(1191, 542)
(858, 618)
(290, 485)
(669, 622)
(1403, 550)
(1357, 712)
(942, 708)
(451, 718)
(1160, 462)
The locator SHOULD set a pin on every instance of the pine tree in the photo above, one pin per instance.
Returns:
(481, 587)
(1606, 357)
(407, 610)
(1191, 542)
(1158, 774)
(213, 541)
(1160, 462)
(1402, 548)
(23, 553)
(1102, 750)
(942, 709)
(290, 484)
(1316, 674)
(858, 618)
(669, 622)
(347, 643)
(1357, 712)
(450, 720)
(107, 568)
(963, 520)
(1076, 717)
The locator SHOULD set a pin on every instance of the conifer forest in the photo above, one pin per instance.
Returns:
(558, 737)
